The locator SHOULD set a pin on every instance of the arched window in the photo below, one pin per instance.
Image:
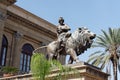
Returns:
(25, 57)
(3, 51)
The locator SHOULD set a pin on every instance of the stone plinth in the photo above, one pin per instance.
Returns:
(84, 72)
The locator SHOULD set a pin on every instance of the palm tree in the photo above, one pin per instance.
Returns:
(109, 51)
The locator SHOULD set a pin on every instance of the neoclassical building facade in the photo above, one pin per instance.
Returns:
(20, 33)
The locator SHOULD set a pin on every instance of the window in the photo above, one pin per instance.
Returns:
(25, 57)
(3, 51)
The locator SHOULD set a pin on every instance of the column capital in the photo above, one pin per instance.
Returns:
(18, 35)
(2, 16)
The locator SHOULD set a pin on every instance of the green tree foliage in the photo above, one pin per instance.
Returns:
(109, 52)
(41, 67)
(9, 70)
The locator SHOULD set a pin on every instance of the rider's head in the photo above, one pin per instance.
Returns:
(61, 20)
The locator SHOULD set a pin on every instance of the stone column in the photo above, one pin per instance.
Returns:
(3, 16)
(2, 21)
(16, 55)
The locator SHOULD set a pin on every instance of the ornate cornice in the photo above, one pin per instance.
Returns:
(8, 2)
(2, 16)
(30, 24)
(18, 35)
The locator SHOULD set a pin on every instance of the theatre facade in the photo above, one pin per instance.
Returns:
(20, 33)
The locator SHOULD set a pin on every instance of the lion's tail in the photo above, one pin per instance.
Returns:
(40, 50)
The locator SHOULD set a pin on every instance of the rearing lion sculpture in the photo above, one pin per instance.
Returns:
(76, 44)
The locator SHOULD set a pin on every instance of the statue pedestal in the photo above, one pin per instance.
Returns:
(84, 71)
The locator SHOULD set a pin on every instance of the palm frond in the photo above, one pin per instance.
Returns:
(107, 37)
(101, 44)
(92, 58)
(96, 44)
(101, 39)
(109, 43)
(111, 32)
(106, 60)
(97, 52)
(98, 61)
(118, 36)
(96, 58)
(115, 37)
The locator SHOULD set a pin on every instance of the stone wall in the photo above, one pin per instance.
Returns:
(84, 72)
(20, 27)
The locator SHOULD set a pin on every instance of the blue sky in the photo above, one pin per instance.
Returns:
(94, 14)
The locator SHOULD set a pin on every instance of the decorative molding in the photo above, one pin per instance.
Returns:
(3, 16)
(8, 2)
(30, 24)
(18, 35)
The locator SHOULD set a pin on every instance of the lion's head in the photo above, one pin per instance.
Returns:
(85, 38)
(86, 35)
